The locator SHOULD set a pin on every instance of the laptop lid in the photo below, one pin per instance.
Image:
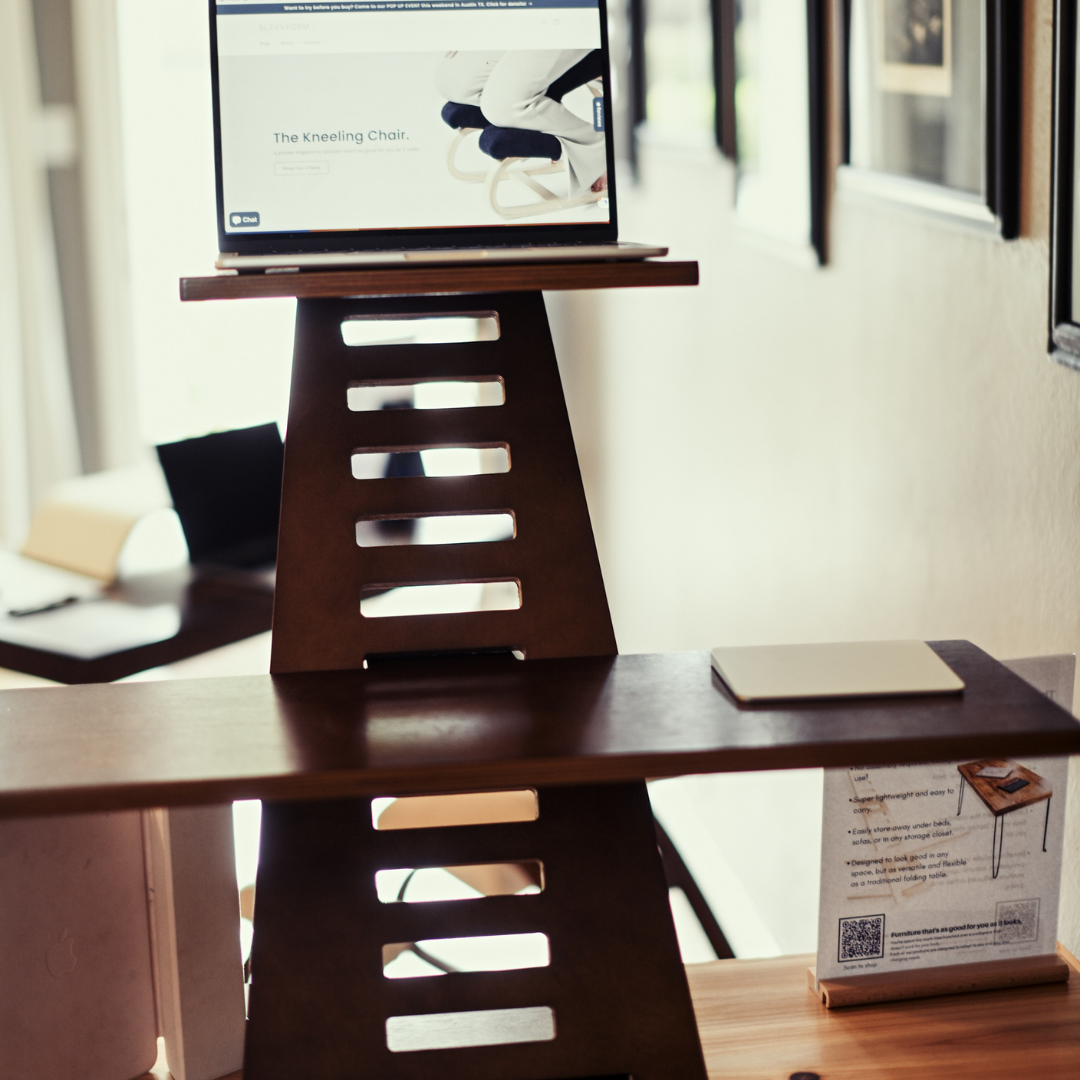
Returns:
(374, 124)
(226, 489)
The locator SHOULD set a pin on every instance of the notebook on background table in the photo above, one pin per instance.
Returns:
(374, 133)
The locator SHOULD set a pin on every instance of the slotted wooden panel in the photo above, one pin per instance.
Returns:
(319, 1000)
(322, 571)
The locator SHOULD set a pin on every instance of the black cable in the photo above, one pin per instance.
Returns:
(434, 961)
(678, 876)
(412, 947)
(404, 886)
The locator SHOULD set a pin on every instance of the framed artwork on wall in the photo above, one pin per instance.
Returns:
(753, 73)
(934, 107)
(674, 64)
(780, 66)
(1065, 219)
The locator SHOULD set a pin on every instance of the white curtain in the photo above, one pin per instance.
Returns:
(38, 439)
(101, 166)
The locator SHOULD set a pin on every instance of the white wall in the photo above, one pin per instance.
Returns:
(878, 449)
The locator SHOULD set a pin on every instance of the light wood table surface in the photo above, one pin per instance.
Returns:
(759, 1021)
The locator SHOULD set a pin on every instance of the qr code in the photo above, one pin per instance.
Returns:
(1016, 920)
(862, 939)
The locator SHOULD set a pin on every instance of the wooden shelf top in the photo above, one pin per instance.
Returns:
(442, 280)
(475, 723)
(759, 1021)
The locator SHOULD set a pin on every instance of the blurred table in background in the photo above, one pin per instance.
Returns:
(217, 607)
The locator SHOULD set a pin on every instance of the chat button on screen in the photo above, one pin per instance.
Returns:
(301, 168)
(245, 219)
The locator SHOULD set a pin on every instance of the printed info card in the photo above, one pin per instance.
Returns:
(929, 865)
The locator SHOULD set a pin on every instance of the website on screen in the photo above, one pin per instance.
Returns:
(350, 116)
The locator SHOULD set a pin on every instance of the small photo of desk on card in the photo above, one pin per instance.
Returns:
(756, 673)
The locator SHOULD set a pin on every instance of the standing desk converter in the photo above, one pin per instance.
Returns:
(358, 707)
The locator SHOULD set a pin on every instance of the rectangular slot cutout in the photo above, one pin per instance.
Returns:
(434, 461)
(478, 1027)
(445, 956)
(477, 393)
(447, 811)
(423, 530)
(452, 598)
(436, 884)
(362, 330)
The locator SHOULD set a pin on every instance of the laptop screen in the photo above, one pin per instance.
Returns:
(378, 123)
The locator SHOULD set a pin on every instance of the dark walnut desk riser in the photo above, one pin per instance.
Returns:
(603, 881)
(585, 727)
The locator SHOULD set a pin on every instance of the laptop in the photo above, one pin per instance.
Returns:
(226, 490)
(354, 133)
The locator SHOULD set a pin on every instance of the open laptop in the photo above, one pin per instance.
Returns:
(383, 132)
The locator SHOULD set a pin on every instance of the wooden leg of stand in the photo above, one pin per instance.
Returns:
(615, 985)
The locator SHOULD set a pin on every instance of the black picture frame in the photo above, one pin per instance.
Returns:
(1003, 101)
(819, 14)
(817, 43)
(722, 28)
(635, 17)
(723, 31)
(1064, 329)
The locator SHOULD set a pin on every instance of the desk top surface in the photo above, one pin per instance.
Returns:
(477, 723)
(758, 1021)
(442, 280)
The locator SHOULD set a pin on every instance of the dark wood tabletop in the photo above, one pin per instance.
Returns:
(1000, 802)
(442, 280)
(217, 606)
(473, 723)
